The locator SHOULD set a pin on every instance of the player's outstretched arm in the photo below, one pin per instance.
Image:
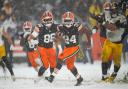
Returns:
(34, 34)
(80, 27)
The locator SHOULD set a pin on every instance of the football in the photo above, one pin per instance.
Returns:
(111, 26)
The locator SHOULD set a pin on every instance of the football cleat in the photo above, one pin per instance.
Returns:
(104, 78)
(38, 79)
(79, 81)
(50, 78)
(111, 78)
(13, 78)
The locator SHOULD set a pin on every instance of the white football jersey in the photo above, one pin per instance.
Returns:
(115, 36)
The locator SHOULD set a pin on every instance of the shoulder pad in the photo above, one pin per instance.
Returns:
(60, 26)
(122, 18)
(25, 35)
(39, 25)
(77, 25)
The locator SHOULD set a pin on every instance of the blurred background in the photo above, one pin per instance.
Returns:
(14, 12)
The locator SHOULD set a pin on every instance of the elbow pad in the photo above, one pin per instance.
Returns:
(35, 34)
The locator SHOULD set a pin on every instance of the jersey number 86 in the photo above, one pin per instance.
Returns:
(49, 37)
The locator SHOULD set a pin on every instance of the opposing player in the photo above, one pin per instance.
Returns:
(45, 32)
(31, 46)
(69, 32)
(101, 19)
(3, 55)
(113, 44)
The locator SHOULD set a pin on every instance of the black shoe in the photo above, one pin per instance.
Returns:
(104, 78)
(79, 81)
(50, 78)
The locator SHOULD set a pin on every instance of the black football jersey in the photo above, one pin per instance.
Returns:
(70, 35)
(46, 35)
(30, 46)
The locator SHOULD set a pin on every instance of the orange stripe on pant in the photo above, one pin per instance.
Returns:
(69, 55)
(32, 56)
(48, 56)
(102, 40)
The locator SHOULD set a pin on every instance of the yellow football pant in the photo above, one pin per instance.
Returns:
(113, 49)
(2, 51)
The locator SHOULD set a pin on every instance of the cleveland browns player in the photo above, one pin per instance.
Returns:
(45, 32)
(31, 47)
(69, 31)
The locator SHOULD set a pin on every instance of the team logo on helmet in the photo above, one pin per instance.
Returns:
(68, 19)
(47, 18)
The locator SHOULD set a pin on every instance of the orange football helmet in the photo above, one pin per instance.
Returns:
(27, 26)
(47, 18)
(68, 19)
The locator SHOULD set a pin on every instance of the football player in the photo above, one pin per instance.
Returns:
(31, 46)
(45, 32)
(103, 37)
(113, 44)
(69, 32)
(3, 55)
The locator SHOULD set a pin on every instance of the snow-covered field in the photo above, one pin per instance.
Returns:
(64, 80)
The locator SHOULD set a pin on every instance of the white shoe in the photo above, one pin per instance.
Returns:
(38, 79)
(13, 78)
